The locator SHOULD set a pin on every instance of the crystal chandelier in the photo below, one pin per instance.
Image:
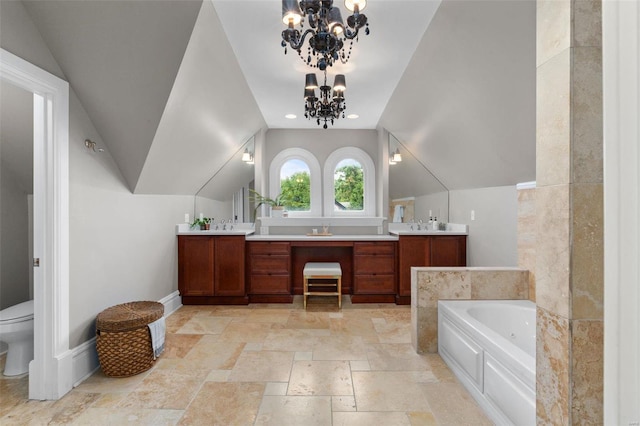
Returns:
(331, 103)
(327, 32)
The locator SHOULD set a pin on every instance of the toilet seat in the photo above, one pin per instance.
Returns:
(17, 313)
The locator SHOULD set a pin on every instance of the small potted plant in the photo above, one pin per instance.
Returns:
(277, 204)
(203, 224)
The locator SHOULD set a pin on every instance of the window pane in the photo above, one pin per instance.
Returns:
(295, 185)
(348, 182)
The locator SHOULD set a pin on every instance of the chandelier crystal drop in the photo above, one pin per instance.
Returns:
(327, 32)
(330, 105)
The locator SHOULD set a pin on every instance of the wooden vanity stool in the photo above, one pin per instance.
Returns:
(323, 272)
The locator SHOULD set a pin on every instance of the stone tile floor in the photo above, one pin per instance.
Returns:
(268, 365)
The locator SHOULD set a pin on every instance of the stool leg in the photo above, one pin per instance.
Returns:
(339, 292)
(305, 289)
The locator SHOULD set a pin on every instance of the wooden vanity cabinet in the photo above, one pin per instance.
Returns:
(374, 272)
(269, 271)
(211, 269)
(425, 250)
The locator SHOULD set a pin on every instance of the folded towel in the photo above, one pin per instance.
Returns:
(398, 213)
(157, 329)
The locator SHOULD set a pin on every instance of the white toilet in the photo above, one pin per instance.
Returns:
(16, 329)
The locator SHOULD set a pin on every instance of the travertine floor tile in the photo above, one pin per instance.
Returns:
(340, 348)
(171, 389)
(264, 366)
(145, 416)
(208, 353)
(320, 378)
(396, 357)
(343, 403)
(304, 319)
(389, 391)
(201, 324)
(295, 411)
(451, 404)
(179, 345)
(225, 404)
(98, 382)
(293, 340)
(369, 418)
(421, 418)
(276, 388)
(268, 364)
(245, 332)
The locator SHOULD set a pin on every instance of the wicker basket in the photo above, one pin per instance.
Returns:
(123, 339)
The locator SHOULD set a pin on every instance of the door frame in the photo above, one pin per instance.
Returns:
(50, 372)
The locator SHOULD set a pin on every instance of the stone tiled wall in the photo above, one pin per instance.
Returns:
(569, 212)
(428, 285)
(527, 236)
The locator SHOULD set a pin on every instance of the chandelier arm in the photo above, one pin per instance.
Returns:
(298, 46)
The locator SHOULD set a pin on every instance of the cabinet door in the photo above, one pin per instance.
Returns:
(195, 270)
(229, 266)
(449, 250)
(414, 251)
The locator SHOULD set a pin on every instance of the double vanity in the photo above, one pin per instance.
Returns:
(237, 267)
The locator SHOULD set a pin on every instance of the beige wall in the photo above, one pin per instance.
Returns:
(527, 236)
(569, 212)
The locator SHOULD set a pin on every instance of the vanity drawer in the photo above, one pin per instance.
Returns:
(269, 248)
(374, 248)
(374, 264)
(269, 284)
(374, 284)
(268, 265)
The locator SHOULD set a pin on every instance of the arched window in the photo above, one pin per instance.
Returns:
(349, 181)
(295, 174)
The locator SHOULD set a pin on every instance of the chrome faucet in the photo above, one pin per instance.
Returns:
(419, 224)
(224, 225)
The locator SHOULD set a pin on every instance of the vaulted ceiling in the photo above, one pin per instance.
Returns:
(176, 87)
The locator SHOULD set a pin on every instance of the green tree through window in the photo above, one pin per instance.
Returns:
(296, 189)
(349, 185)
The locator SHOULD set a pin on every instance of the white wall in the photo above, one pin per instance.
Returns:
(122, 246)
(493, 234)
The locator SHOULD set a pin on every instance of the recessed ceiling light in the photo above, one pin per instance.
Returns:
(352, 116)
(290, 116)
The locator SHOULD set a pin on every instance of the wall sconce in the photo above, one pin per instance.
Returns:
(394, 151)
(92, 145)
(247, 157)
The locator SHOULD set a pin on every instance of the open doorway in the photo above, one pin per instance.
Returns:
(50, 372)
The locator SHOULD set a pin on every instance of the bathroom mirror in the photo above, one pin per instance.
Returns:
(413, 187)
(226, 193)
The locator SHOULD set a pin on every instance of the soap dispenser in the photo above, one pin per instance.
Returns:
(435, 224)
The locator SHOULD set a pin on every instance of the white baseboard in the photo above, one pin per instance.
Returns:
(171, 303)
(85, 356)
(85, 361)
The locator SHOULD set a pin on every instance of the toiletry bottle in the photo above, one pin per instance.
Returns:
(435, 224)
(430, 224)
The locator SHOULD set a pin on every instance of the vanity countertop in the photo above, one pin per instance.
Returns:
(322, 238)
(437, 233)
(214, 232)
